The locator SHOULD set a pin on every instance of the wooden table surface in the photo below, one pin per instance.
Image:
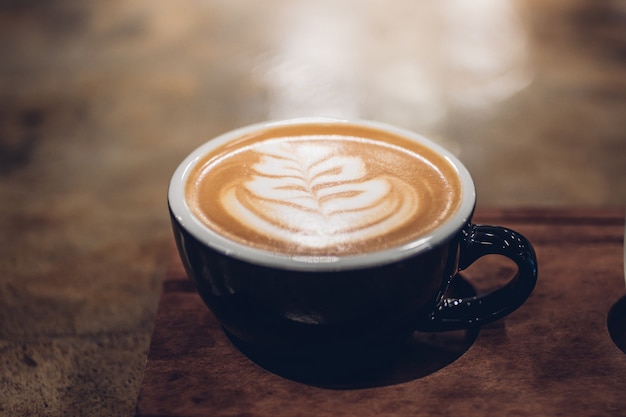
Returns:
(553, 356)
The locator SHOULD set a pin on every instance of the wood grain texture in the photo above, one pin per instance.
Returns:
(553, 356)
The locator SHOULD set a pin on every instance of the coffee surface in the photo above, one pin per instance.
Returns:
(322, 190)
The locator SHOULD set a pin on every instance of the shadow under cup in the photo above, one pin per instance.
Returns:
(347, 318)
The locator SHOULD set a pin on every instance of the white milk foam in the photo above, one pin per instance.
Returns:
(310, 194)
(322, 194)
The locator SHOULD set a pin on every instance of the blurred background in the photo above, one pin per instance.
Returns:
(99, 101)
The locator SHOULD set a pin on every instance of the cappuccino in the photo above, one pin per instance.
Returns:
(322, 190)
(327, 243)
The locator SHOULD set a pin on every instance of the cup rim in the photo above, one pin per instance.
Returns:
(188, 221)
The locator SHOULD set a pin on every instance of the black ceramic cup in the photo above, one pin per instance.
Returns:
(346, 306)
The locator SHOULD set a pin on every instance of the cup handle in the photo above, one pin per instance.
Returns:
(478, 241)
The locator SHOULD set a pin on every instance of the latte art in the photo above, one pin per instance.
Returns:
(314, 196)
(322, 191)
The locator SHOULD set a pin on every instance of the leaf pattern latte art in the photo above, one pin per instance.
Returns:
(311, 194)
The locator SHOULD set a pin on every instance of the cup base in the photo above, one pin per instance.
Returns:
(343, 366)
(359, 365)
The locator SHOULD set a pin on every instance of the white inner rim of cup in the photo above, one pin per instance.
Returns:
(189, 222)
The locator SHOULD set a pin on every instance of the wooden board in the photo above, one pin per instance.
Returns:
(554, 356)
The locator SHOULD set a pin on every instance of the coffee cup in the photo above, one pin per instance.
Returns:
(332, 239)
